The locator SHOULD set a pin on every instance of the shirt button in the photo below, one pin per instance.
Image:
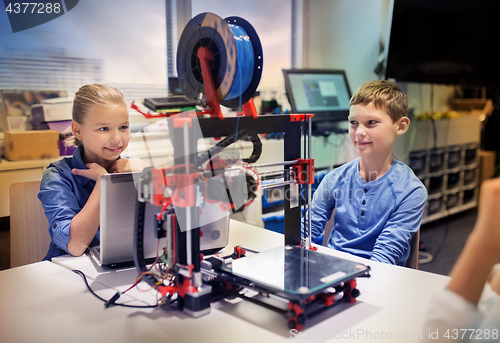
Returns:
(366, 190)
(362, 213)
(363, 202)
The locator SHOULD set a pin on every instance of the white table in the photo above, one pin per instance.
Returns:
(46, 302)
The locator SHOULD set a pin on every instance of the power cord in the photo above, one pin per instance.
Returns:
(433, 121)
(424, 257)
(111, 302)
(427, 257)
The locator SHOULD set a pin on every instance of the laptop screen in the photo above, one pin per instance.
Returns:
(118, 196)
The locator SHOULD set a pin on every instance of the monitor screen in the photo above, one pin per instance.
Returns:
(324, 93)
(443, 42)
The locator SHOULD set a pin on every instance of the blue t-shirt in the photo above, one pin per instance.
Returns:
(63, 195)
(375, 220)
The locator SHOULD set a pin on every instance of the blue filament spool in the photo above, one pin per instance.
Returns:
(237, 65)
(250, 65)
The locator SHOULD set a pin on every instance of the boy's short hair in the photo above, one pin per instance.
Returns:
(385, 95)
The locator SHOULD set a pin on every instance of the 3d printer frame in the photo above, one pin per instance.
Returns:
(193, 294)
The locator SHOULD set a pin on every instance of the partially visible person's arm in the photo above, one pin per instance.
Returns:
(456, 307)
(482, 249)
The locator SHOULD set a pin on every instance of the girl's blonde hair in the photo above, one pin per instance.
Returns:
(385, 95)
(93, 95)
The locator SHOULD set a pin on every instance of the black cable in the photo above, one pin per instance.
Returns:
(443, 241)
(302, 191)
(445, 235)
(139, 261)
(430, 257)
(112, 301)
(433, 122)
(242, 134)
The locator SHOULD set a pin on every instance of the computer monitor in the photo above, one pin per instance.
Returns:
(322, 92)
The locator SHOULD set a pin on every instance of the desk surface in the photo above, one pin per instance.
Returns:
(46, 302)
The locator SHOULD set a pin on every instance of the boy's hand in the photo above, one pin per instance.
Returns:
(94, 171)
(127, 165)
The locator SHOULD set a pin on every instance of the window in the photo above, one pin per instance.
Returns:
(117, 42)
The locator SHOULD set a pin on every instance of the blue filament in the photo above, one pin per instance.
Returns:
(245, 62)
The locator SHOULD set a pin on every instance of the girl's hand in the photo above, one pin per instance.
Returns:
(94, 171)
(126, 165)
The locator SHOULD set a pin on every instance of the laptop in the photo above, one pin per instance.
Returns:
(117, 212)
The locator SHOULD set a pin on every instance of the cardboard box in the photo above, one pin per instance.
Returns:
(31, 145)
(481, 108)
(487, 161)
(58, 109)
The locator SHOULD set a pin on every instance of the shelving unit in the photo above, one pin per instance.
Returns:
(447, 164)
(450, 175)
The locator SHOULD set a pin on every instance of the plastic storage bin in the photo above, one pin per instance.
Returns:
(454, 156)
(436, 162)
(453, 180)
(274, 221)
(418, 162)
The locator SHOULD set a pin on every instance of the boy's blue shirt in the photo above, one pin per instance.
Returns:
(375, 220)
(63, 195)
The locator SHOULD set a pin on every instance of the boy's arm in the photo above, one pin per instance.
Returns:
(393, 241)
(322, 207)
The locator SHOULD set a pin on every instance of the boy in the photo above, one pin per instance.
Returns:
(378, 201)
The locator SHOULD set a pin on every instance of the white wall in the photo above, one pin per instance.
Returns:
(344, 34)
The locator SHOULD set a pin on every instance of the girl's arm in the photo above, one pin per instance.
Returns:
(84, 225)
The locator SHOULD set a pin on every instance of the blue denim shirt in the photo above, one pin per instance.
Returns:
(63, 195)
(375, 220)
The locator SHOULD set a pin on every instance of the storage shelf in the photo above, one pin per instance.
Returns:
(450, 175)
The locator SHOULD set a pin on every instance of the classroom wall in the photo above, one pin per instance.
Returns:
(349, 35)
(344, 34)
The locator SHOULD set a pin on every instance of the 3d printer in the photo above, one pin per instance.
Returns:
(220, 62)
